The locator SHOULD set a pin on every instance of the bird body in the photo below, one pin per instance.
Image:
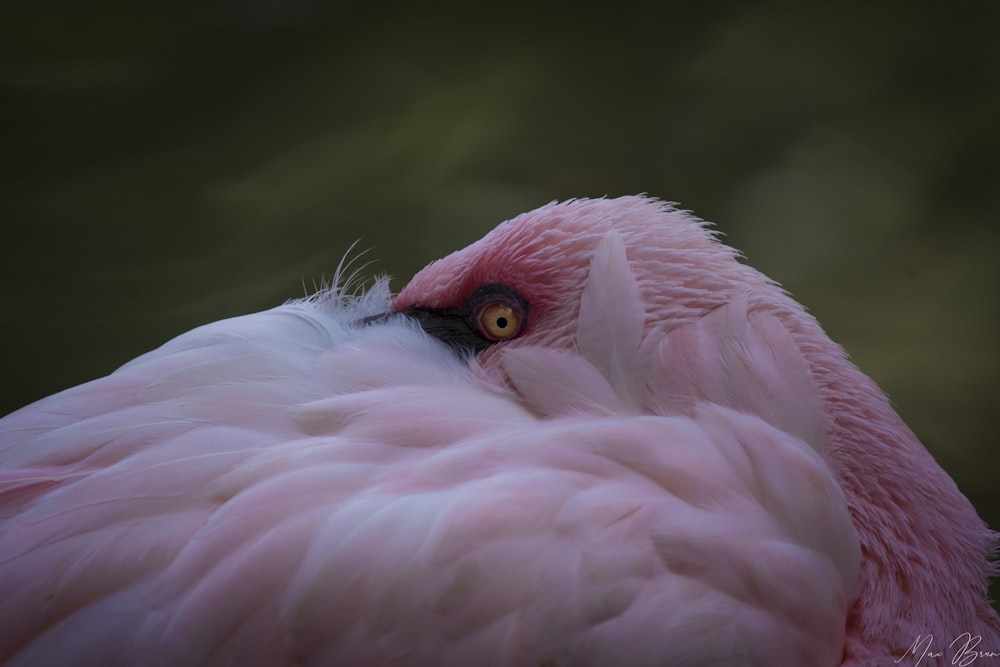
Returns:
(651, 456)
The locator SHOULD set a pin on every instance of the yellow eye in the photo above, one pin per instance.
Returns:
(499, 321)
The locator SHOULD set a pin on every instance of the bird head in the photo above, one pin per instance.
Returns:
(523, 284)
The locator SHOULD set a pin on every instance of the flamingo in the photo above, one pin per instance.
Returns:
(593, 437)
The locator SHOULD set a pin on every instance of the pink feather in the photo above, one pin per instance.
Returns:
(670, 465)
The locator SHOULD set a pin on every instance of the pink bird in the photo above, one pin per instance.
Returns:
(591, 438)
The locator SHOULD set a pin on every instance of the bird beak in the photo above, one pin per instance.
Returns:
(374, 319)
(448, 325)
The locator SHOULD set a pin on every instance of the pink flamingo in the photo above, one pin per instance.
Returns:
(591, 438)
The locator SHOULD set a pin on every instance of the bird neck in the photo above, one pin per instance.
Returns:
(925, 552)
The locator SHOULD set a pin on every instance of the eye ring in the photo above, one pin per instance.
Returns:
(498, 321)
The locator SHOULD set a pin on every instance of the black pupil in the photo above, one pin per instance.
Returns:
(502, 322)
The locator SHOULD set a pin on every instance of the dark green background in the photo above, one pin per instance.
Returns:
(166, 164)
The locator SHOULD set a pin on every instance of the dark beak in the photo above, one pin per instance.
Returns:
(450, 326)
(373, 319)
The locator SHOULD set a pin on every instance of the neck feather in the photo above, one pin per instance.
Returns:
(926, 554)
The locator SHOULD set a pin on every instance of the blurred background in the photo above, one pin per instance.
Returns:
(170, 163)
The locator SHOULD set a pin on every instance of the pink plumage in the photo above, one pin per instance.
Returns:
(593, 437)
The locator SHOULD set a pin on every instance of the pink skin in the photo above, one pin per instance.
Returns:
(926, 555)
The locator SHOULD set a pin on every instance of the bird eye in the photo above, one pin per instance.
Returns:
(499, 321)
